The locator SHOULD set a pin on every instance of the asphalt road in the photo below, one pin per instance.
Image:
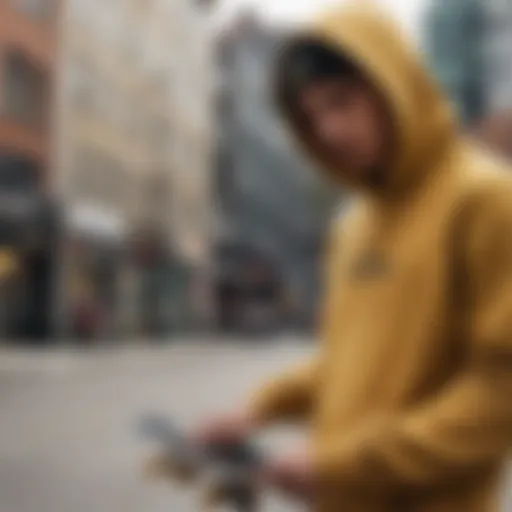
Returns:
(67, 441)
(67, 420)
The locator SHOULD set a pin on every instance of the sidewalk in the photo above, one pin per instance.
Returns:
(70, 357)
(15, 360)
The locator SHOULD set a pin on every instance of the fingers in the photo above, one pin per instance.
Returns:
(159, 467)
(291, 475)
(232, 427)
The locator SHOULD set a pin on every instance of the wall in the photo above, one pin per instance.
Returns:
(38, 41)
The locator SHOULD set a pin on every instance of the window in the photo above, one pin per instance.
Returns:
(159, 194)
(82, 12)
(38, 9)
(81, 83)
(26, 90)
(99, 176)
(18, 173)
(83, 173)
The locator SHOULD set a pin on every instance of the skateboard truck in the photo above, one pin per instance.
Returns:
(230, 468)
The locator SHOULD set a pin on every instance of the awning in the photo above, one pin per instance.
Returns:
(97, 222)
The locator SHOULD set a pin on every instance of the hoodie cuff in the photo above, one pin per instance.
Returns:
(264, 407)
(329, 465)
(352, 463)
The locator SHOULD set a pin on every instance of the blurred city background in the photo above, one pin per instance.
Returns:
(147, 187)
(151, 200)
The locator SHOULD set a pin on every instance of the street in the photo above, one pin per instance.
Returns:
(67, 433)
(68, 419)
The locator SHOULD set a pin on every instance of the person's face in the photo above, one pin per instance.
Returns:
(349, 123)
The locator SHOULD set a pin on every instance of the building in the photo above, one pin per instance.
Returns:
(192, 207)
(29, 46)
(272, 207)
(496, 128)
(497, 55)
(118, 165)
(496, 132)
(469, 43)
(456, 36)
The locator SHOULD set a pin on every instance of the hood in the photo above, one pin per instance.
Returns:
(422, 117)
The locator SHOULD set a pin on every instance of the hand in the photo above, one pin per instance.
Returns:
(229, 428)
(160, 467)
(292, 474)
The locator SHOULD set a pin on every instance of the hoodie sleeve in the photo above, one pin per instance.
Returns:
(292, 395)
(288, 397)
(468, 425)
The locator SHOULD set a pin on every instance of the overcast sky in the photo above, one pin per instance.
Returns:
(408, 11)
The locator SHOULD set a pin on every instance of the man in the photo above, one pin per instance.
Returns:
(410, 395)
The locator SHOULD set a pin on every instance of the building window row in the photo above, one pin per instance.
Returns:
(41, 10)
(98, 175)
(25, 91)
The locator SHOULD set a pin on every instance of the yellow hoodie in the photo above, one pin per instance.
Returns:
(410, 396)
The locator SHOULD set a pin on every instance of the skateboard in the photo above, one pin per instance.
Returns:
(229, 469)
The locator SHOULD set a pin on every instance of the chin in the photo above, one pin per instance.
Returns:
(361, 172)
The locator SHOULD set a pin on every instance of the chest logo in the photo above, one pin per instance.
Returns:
(371, 265)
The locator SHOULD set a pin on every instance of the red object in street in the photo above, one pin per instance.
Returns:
(87, 319)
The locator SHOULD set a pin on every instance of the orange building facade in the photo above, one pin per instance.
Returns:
(28, 65)
(29, 49)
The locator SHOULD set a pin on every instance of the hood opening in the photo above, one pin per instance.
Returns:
(308, 61)
(374, 49)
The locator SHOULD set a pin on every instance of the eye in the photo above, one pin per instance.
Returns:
(343, 99)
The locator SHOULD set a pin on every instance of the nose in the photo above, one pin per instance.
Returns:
(333, 131)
